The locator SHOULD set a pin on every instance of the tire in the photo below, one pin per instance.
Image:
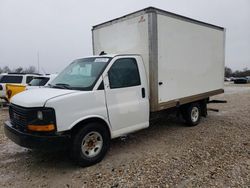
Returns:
(192, 114)
(90, 144)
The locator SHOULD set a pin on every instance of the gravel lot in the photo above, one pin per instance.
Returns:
(168, 154)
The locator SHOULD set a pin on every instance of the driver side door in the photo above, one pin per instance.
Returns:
(127, 101)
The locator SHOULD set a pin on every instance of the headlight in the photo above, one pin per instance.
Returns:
(42, 119)
(40, 115)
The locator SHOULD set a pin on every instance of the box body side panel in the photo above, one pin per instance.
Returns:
(190, 59)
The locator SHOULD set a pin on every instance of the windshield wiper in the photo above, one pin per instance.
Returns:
(50, 85)
(62, 86)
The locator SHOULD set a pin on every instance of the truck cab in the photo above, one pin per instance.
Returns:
(91, 101)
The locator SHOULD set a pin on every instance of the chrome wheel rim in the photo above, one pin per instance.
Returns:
(194, 114)
(92, 144)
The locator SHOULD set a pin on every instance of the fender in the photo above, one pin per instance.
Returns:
(75, 123)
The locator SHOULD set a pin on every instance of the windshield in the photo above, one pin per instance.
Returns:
(81, 74)
(39, 81)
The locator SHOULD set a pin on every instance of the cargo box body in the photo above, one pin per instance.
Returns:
(184, 58)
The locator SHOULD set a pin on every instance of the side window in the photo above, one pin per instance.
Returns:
(124, 73)
(11, 79)
(28, 79)
(101, 86)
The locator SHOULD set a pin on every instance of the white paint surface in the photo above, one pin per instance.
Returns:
(190, 58)
(127, 37)
(190, 55)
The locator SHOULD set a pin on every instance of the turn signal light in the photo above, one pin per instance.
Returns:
(49, 127)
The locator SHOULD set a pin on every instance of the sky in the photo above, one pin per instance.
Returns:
(60, 30)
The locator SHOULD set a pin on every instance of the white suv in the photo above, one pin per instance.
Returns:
(13, 78)
(40, 81)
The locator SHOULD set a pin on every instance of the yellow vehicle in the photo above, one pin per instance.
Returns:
(13, 89)
(36, 82)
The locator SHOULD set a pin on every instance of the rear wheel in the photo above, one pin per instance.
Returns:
(90, 144)
(192, 114)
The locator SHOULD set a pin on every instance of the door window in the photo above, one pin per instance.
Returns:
(39, 81)
(28, 79)
(124, 73)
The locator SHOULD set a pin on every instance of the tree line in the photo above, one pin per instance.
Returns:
(230, 73)
(31, 69)
(28, 70)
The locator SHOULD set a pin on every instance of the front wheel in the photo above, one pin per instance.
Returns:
(192, 114)
(90, 144)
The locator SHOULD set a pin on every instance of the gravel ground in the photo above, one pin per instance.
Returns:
(216, 153)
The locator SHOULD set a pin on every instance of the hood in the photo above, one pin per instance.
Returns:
(38, 97)
(33, 87)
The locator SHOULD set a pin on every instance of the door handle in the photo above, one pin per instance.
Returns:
(143, 94)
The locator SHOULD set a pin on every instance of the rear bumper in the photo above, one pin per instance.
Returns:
(55, 142)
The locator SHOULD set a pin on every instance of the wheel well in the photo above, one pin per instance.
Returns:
(202, 103)
(89, 120)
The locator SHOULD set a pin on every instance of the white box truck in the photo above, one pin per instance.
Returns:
(144, 63)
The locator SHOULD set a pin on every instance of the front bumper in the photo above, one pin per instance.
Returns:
(41, 142)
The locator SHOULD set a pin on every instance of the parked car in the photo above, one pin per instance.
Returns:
(36, 82)
(232, 79)
(242, 80)
(161, 61)
(40, 81)
(13, 78)
(13, 89)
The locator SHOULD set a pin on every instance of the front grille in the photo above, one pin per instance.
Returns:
(18, 117)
